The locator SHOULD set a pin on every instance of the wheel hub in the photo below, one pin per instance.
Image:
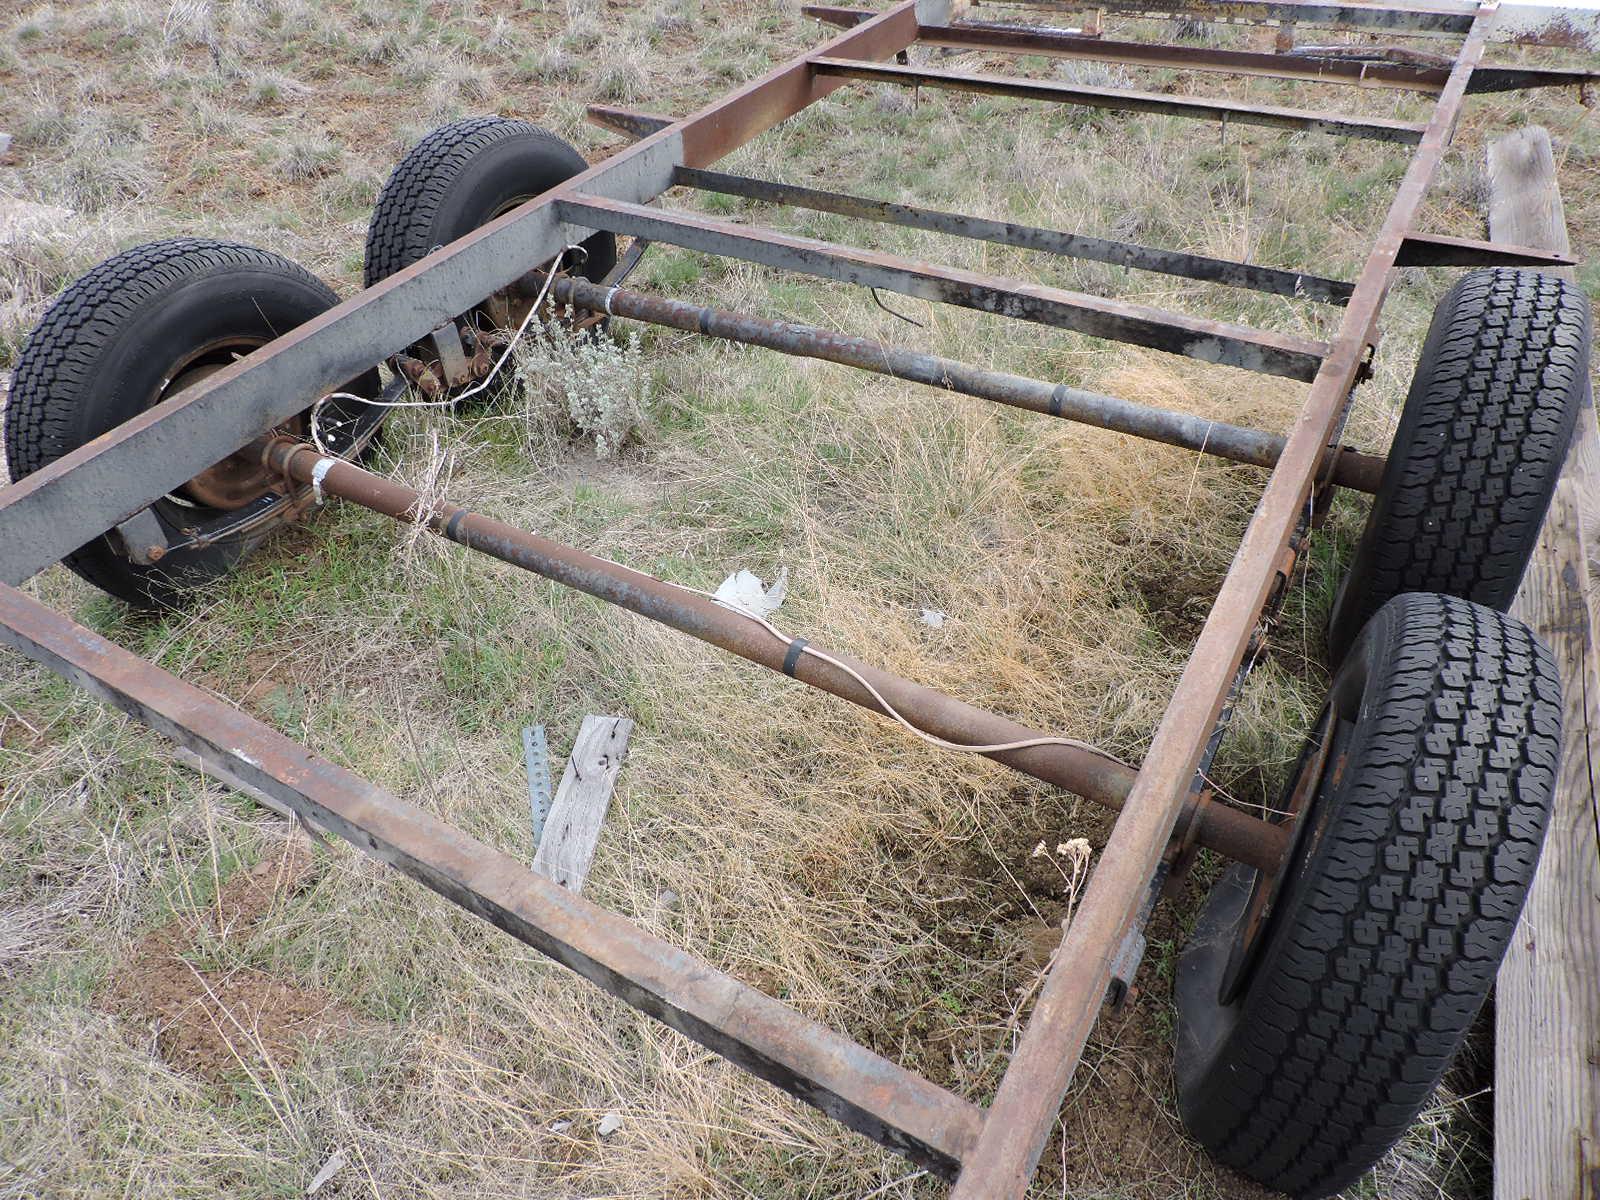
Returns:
(1324, 760)
(238, 480)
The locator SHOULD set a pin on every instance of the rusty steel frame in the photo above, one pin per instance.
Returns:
(1297, 284)
(1446, 17)
(1349, 468)
(1051, 43)
(990, 1154)
(1210, 341)
(1383, 129)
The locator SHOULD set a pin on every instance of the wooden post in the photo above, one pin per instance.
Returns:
(572, 830)
(1547, 1009)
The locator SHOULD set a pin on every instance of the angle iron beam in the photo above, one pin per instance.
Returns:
(833, 14)
(1395, 18)
(1024, 39)
(893, 1106)
(726, 124)
(1382, 129)
(1349, 468)
(1517, 79)
(1210, 341)
(78, 497)
(1028, 1100)
(635, 124)
(1438, 250)
(1072, 245)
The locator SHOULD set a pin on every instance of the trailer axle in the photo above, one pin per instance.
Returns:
(1082, 769)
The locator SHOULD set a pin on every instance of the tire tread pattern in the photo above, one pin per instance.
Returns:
(54, 373)
(1479, 448)
(1372, 976)
(402, 220)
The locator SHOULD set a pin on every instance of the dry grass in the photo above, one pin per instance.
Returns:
(881, 886)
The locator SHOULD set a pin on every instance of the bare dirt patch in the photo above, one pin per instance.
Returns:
(214, 1023)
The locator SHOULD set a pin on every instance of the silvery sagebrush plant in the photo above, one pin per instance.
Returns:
(586, 385)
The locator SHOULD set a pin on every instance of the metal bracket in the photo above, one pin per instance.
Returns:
(1125, 963)
(452, 355)
(1124, 966)
(142, 537)
(536, 758)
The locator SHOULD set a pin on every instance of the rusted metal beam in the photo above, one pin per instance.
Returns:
(1028, 237)
(1210, 341)
(728, 123)
(1077, 767)
(1382, 129)
(868, 1093)
(1026, 39)
(82, 494)
(1349, 468)
(1485, 79)
(1438, 250)
(1028, 1100)
(1519, 79)
(1395, 18)
(628, 121)
(1405, 56)
(833, 14)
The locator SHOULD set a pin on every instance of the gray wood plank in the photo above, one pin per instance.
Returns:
(572, 830)
(1547, 1007)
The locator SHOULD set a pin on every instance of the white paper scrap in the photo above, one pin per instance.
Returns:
(745, 591)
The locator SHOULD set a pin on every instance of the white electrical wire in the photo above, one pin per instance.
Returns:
(890, 709)
(533, 311)
(778, 634)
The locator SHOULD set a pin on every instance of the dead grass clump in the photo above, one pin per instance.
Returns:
(104, 160)
(266, 88)
(1092, 74)
(624, 75)
(448, 81)
(42, 249)
(308, 156)
(552, 62)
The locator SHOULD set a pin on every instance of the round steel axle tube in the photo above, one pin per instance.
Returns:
(1349, 468)
(1090, 773)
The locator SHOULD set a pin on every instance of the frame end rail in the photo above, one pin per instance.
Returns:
(857, 1087)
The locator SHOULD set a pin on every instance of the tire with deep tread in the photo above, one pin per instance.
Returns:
(1479, 446)
(104, 351)
(460, 176)
(1412, 866)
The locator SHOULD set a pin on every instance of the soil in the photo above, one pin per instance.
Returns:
(1119, 1122)
(213, 1023)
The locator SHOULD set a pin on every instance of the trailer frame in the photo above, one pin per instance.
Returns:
(1166, 808)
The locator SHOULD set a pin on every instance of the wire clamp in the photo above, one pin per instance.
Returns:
(792, 658)
(318, 474)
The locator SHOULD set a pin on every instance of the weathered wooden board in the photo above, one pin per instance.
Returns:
(572, 830)
(1547, 1015)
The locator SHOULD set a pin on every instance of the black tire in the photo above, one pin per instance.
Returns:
(461, 176)
(1480, 443)
(1412, 865)
(110, 347)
